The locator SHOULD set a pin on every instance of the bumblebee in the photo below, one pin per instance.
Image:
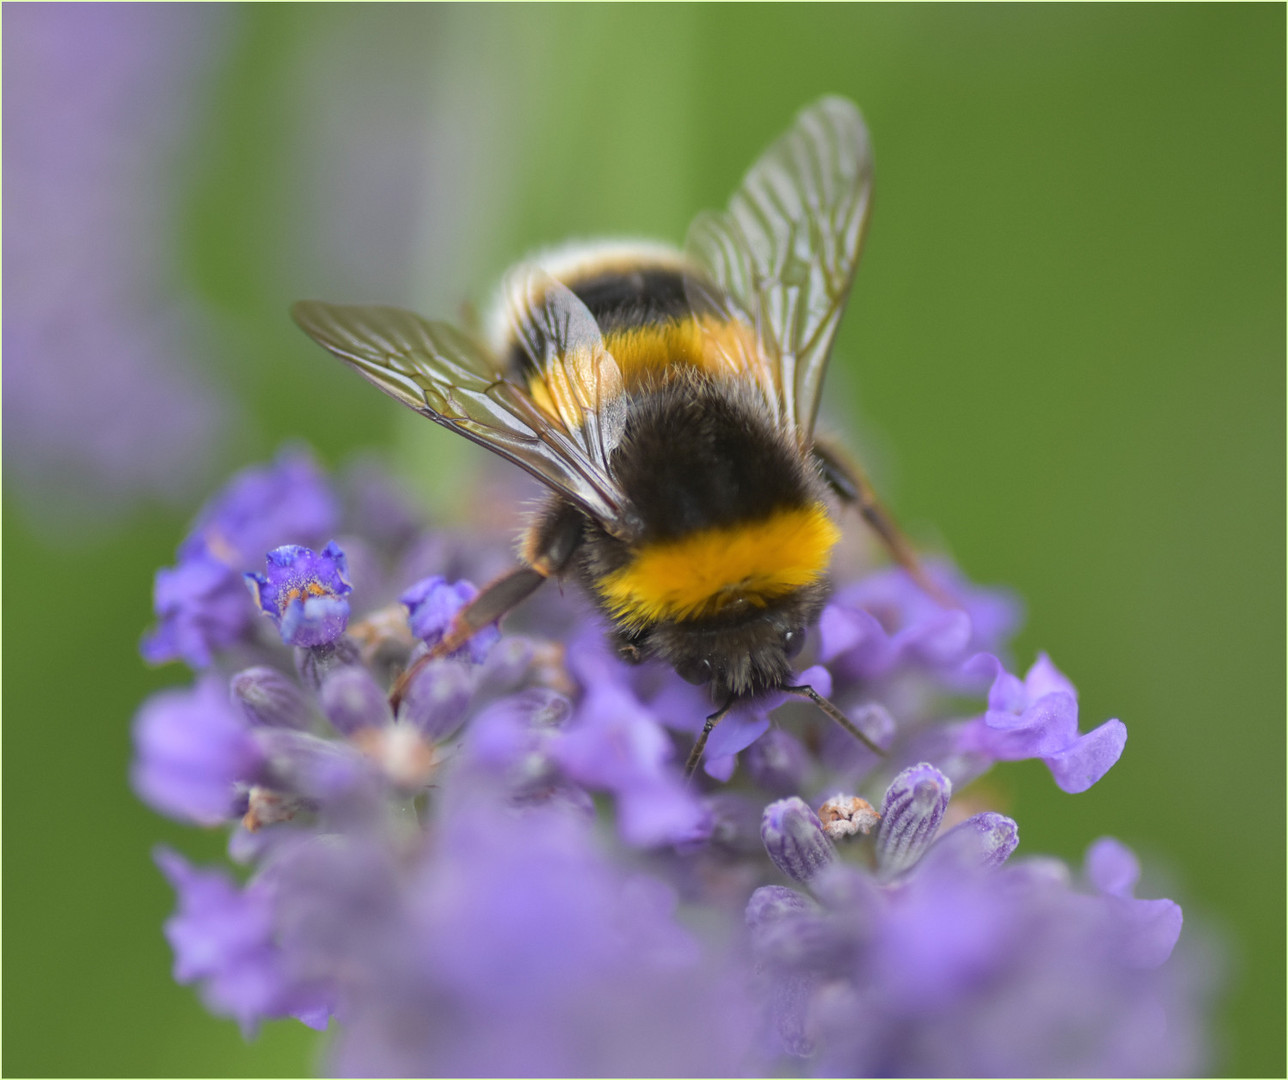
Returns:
(667, 400)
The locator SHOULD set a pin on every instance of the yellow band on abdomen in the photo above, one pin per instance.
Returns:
(701, 574)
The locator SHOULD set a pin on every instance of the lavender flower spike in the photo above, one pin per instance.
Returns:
(462, 883)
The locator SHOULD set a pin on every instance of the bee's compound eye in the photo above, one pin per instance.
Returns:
(696, 672)
(793, 642)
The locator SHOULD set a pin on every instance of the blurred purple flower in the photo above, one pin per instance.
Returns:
(191, 750)
(263, 507)
(513, 946)
(222, 937)
(101, 404)
(885, 620)
(615, 743)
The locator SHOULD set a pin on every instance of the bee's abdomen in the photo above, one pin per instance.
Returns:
(733, 518)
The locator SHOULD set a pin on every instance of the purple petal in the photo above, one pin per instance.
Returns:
(855, 639)
(202, 607)
(1149, 932)
(261, 508)
(1045, 678)
(222, 936)
(1112, 867)
(778, 762)
(736, 732)
(938, 641)
(1047, 726)
(432, 604)
(190, 748)
(1079, 766)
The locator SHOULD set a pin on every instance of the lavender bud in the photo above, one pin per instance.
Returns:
(984, 841)
(438, 697)
(352, 701)
(269, 698)
(310, 767)
(777, 761)
(795, 839)
(913, 808)
(770, 903)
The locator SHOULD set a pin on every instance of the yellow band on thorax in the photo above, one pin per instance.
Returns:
(653, 353)
(701, 574)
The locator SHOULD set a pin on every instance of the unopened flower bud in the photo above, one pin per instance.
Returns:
(795, 839)
(269, 698)
(913, 808)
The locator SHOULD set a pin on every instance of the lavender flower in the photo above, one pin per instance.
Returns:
(431, 604)
(303, 593)
(509, 874)
(192, 750)
(1038, 717)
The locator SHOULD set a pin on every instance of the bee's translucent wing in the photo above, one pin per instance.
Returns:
(730, 332)
(444, 375)
(573, 374)
(786, 249)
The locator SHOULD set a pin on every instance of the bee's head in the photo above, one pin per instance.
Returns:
(740, 656)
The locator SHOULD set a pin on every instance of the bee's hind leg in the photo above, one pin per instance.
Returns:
(851, 486)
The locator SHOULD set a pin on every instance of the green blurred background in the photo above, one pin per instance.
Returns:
(1063, 361)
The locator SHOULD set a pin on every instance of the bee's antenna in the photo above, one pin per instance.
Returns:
(695, 755)
(828, 709)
